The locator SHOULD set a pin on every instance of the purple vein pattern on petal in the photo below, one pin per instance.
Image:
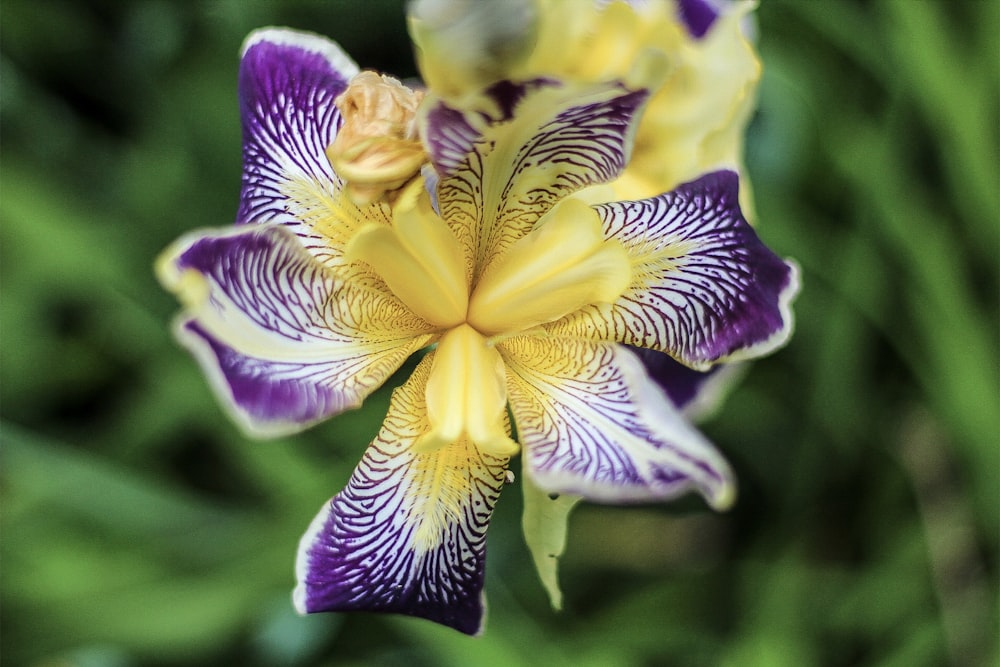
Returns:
(285, 342)
(524, 147)
(408, 533)
(705, 288)
(288, 82)
(592, 423)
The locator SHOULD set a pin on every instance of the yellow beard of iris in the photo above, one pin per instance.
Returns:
(562, 265)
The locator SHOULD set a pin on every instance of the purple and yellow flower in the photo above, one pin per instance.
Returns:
(522, 299)
(693, 55)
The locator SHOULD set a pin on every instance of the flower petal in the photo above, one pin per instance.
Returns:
(696, 122)
(560, 266)
(408, 534)
(696, 394)
(462, 47)
(508, 155)
(705, 288)
(417, 257)
(288, 82)
(592, 423)
(285, 342)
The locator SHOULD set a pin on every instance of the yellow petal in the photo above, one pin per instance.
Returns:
(506, 157)
(418, 258)
(462, 46)
(563, 265)
(467, 395)
(696, 121)
(591, 41)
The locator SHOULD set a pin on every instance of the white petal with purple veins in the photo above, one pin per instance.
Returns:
(285, 341)
(705, 288)
(288, 82)
(408, 533)
(592, 423)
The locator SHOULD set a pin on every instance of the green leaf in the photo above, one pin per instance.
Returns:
(544, 521)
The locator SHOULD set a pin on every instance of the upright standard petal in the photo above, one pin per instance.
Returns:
(288, 82)
(593, 424)
(508, 155)
(408, 534)
(705, 288)
(285, 342)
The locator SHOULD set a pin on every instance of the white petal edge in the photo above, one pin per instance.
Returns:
(307, 41)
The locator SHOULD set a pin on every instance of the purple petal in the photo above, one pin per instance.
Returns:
(695, 393)
(514, 151)
(705, 288)
(283, 340)
(268, 392)
(408, 533)
(592, 423)
(681, 383)
(288, 81)
(697, 15)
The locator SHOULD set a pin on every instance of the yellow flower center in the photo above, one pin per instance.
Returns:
(561, 266)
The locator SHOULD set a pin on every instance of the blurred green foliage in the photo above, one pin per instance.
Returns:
(140, 528)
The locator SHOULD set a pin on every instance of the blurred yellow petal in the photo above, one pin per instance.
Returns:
(695, 122)
(588, 42)
(704, 88)
(463, 46)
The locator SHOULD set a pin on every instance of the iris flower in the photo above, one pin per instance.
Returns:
(520, 298)
(693, 123)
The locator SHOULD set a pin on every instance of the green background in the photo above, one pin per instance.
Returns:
(140, 528)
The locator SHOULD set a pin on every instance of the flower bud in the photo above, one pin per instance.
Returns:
(377, 150)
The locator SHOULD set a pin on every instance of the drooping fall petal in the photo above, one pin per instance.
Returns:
(705, 288)
(593, 424)
(696, 394)
(408, 533)
(284, 340)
